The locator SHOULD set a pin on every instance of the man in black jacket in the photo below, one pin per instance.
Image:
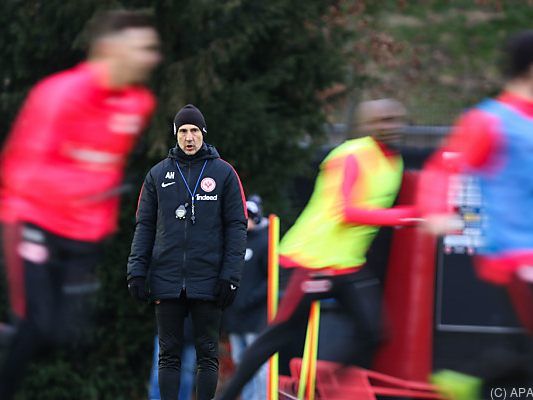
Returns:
(189, 242)
(247, 316)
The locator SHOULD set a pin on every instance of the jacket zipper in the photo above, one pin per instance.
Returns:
(185, 236)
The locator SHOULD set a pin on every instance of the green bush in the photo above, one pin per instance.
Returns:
(253, 67)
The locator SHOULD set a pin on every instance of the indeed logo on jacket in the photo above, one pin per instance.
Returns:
(206, 197)
(172, 251)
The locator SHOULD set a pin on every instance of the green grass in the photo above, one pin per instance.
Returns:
(438, 57)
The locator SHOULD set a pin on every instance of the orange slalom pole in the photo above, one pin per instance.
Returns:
(272, 299)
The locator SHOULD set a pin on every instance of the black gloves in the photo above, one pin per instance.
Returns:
(225, 292)
(137, 288)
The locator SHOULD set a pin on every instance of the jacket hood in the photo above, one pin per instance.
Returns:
(205, 153)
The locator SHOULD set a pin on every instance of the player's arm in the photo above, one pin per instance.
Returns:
(34, 138)
(33, 134)
(394, 216)
(471, 146)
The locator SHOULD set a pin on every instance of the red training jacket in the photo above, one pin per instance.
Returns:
(64, 158)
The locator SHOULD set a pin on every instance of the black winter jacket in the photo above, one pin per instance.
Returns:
(175, 254)
(248, 313)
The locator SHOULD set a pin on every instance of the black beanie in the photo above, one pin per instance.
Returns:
(189, 115)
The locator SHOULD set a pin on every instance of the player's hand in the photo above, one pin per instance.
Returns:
(225, 292)
(137, 288)
(440, 224)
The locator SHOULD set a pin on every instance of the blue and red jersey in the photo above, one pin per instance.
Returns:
(493, 142)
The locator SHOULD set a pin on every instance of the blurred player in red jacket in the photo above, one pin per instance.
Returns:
(61, 173)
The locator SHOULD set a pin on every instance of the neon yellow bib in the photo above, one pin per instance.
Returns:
(320, 238)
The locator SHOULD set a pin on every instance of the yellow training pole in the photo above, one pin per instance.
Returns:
(308, 370)
(272, 299)
(304, 369)
(311, 381)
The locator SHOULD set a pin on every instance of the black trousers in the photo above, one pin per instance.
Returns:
(206, 319)
(506, 368)
(359, 295)
(52, 284)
